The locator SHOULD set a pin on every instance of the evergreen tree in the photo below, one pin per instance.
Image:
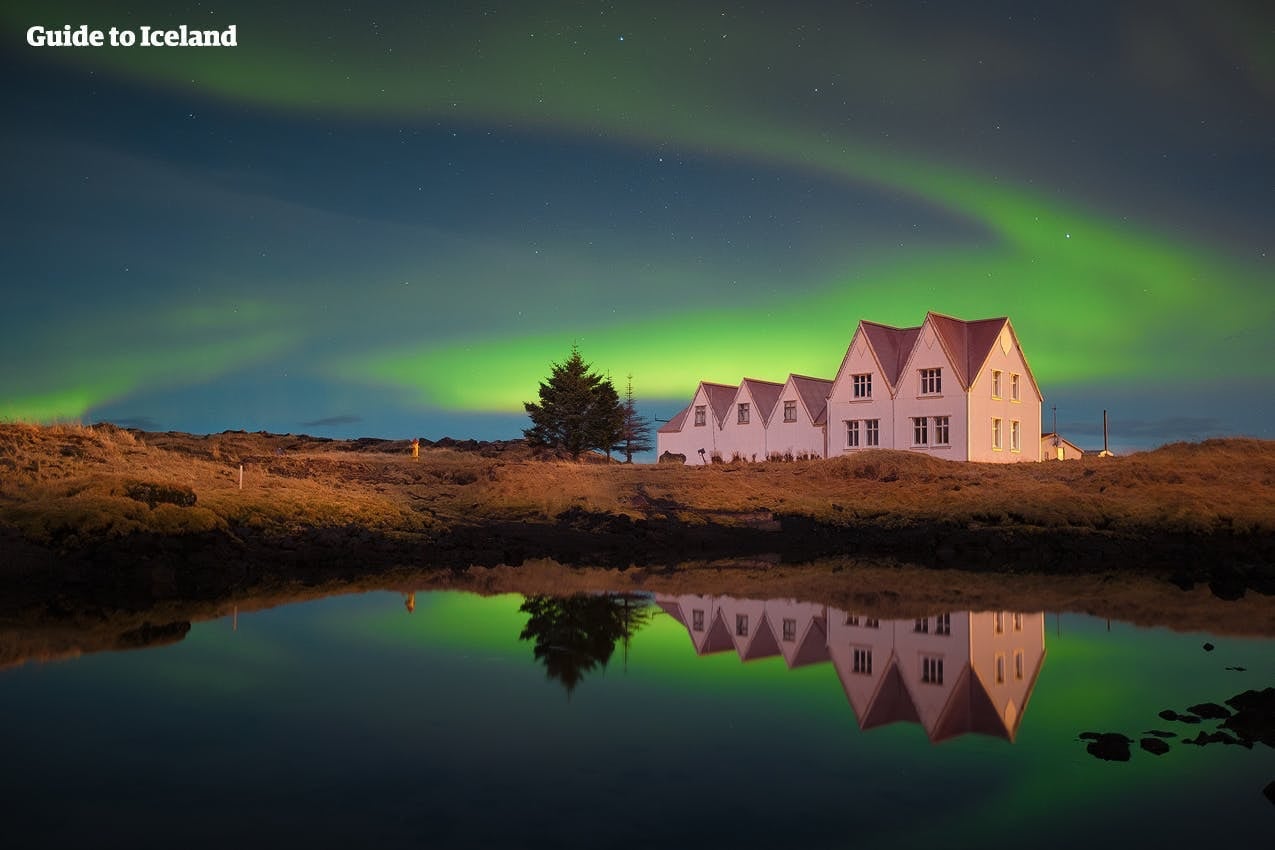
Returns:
(579, 410)
(635, 432)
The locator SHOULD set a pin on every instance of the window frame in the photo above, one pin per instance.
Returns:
(942, 431)
(790, 411)
(996, 383)
(932, 381)
(920, 430)
(701, 415)
(872, 432)
(931, 669)
(743, 413)
(861, 386)
(852, 433)
(996, 434)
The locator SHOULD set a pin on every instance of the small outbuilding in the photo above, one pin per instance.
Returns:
(1054, 447)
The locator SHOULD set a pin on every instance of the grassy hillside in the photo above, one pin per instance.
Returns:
(76, 488)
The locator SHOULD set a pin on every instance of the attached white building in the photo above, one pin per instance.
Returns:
(954, 389)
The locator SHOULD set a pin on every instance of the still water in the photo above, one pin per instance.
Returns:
(453, 720)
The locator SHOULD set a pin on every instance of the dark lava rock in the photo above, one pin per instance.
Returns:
(1269, 791)
(1208, 647)
(1254, 718)
(1205, 738)
(1209, 711)
(1170, 714)
(1160, 733)
(1238, 669)
(1108, 746)
(160, 494)
(1154, 746)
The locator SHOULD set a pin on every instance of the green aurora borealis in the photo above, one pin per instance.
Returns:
(725, 194)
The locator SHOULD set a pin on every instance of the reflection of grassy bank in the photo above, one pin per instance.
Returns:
(44, 625)
(95, 497)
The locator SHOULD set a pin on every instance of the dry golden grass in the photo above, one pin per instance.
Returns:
(65, 484)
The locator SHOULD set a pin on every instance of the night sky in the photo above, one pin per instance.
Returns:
(388, 219)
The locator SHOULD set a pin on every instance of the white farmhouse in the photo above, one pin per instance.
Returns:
(955, 389)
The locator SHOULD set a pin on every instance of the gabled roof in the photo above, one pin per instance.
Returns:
(813, 393)
(765, 394)
(891, 703)
(814, 645)
(720, 398)
(968, 344)
(675, 424)
(969, 708)
(892, 347)
(718, 638)
(763, 643)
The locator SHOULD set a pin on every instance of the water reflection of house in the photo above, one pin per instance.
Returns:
(753, 628)
(954, 673)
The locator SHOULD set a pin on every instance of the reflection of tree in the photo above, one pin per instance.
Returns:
(575, 634)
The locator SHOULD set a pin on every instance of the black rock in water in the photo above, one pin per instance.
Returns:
(1108, 746)
(1154, 746)
(1209, 711)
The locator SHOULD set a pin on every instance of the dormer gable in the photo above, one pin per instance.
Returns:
(937, 345)
(761, 396)
(715, 401)
(810, 394)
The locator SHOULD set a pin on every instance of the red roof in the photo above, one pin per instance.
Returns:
(814, 395)
(720, 397)
(968, 343)
(765, 395)
(893, 346)
(675, 424)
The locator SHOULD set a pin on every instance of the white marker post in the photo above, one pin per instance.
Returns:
(241, 476)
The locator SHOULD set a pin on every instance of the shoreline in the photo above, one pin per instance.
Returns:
(100, 507)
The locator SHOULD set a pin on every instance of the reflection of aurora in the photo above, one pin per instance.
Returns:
(954, 674)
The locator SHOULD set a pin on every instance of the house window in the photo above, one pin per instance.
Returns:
(996, 383)
(931, 381)
(1018, 622)
(861, 660)
(852, 433)
(743, 414)
(790, 630)
(790, 411)
(872, 432)
(697, 619)
(852, 619)
(1018, 664)
(932, 669)
(863, 386)
(1015, 441)
(922, 626)
(700, 415)
(919, 430)
(996, 434)
(1000, 669)
(943, 624)
(741, 625)
(1000, 622)
(1013, 387)
(941, 432)
(871, 623)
